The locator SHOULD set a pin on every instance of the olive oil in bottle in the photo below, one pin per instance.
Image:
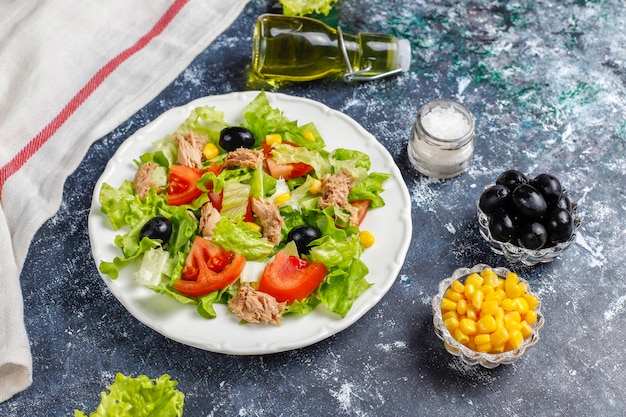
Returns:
(302, 49)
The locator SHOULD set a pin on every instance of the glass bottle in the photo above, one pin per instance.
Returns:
(443, 139)
(302, 49)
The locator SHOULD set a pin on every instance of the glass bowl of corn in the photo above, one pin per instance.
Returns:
(486, 316)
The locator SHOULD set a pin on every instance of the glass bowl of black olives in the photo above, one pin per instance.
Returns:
(528, 220)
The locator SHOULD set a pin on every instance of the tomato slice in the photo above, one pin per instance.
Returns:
(289, 278)
(363, 206)
(286, 171)
(208, 268)
(182, 188)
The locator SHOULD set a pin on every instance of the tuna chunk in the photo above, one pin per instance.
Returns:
(143, 179)
(190, 149)
(244, 158)
(209, 216)
(335, 190)
(256, 307)
(269, 216)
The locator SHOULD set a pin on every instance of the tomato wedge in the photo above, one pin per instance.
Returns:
(363, 206)
(289, 278)
(208, 268)
(182, 188)
(286, 171)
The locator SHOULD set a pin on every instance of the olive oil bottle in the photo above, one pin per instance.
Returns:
(302, 49)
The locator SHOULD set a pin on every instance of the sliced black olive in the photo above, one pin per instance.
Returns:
(158, 228)
(303, 236)
(233, 137)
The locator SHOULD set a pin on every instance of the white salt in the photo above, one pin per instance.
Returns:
(445, 123)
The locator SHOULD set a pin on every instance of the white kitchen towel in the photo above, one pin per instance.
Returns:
(70, 72)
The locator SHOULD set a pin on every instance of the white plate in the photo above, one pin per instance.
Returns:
(391, 225)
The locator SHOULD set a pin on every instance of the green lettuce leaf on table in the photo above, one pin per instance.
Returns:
(304, 7)
(139, 397)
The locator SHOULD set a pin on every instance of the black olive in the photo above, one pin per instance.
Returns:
(532, 235)
(564, 203)
(158, 228)
(529, 201)
(233, 137)
(502, 226)
(549, 187)
(511, 179)
(303, 236)
(493, 198)
(559, 225)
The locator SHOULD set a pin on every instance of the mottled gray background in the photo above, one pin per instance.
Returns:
(546, 81)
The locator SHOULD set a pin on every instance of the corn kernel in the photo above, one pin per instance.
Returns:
(533, 302)
(497, 349)
(470, 312)
(475, 280)
(498, 295)
(526, 329)
(489, 307)
(531, 317)
(273, 138)
(482, 339)
(469, 290)
(367, 239)
(523, 287)
(461, 337)
(516, 339)
(489, 276)
(282, 198)
(451, 324)
(468, 326)
(308, 135)
(487, 289)
(512, 316)
(514, 291)
(512, 325)
(486, 324)
(449, 314)
(484, 348)
(477, 299)
(457, 286)
(254, 226)
(511, 280)
(461, 306)
(522, 305)
(210, 151)
(447, 304)
(508, 304)
(453, 295)
(499, 337)
(316, 187)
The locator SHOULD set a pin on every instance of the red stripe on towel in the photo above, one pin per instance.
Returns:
(99, 77)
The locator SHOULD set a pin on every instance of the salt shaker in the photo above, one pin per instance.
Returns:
(443, 139)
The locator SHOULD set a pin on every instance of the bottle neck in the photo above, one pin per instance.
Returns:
(371, 55)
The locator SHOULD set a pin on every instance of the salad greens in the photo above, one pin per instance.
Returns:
(339, 248)
(304, 7)
(139, 397)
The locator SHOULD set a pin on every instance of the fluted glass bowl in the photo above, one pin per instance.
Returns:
(467, 355)
(519, 254)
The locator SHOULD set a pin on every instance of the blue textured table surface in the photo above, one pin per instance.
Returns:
(546, 81)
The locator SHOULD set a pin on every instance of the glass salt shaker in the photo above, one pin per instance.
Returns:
(443, 139)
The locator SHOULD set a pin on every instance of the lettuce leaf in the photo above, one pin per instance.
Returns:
(304, 7)
(139, 397)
